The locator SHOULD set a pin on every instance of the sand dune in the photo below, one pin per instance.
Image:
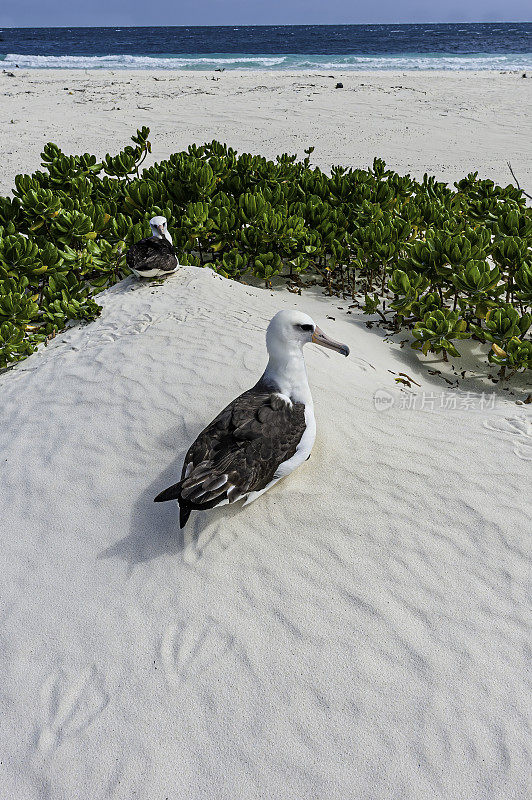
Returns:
(358, 633)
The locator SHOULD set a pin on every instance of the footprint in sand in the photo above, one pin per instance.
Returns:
(70, 703)
(191, 648)
(519, 428)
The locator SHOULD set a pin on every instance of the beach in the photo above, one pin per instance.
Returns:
(357, 632)
(361, 631)
(444, 123)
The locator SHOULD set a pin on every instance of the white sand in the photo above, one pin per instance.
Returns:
(447, 124)
(358, 633)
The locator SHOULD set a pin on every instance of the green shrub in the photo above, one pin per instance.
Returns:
(450, 263)
(435, 332)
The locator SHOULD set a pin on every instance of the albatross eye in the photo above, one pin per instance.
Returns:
(308, 328)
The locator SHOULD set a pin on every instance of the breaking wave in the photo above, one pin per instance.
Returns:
(231, 61)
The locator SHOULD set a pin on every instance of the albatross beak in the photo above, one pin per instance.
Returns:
(318, 337)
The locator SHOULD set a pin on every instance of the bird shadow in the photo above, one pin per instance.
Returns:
(154, 527)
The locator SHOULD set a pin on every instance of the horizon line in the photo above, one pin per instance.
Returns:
(272, 25)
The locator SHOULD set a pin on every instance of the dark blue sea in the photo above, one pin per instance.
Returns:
(501, 46)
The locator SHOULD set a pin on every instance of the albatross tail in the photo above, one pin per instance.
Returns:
(172, 493)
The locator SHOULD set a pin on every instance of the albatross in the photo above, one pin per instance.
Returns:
(262, 435)
(155, 255)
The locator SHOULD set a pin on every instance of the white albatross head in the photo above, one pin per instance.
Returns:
(159, 228)
(289, 330)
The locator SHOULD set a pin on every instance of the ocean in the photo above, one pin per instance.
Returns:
(460, 46)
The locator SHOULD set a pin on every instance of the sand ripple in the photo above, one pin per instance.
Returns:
(359, 633)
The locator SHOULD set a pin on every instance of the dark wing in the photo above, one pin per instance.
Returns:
(239, 452)
(151, 253)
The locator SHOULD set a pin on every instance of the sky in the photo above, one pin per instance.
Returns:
(70, 13)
